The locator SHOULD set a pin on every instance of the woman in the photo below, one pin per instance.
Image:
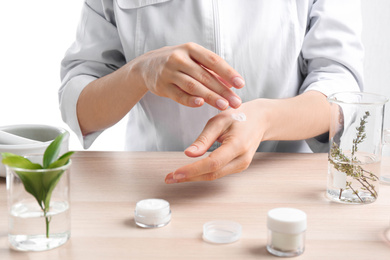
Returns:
(175, 67)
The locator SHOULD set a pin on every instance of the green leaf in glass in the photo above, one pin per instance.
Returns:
(52, 151)
(17, 161)
(64, 159)
(31, 180)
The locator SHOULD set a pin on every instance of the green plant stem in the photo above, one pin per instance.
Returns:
(47, 220)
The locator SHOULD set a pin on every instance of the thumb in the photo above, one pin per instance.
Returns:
(205, 140)
(198, 148)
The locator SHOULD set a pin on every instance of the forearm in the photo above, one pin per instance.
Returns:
(107, 100)
(297, 118)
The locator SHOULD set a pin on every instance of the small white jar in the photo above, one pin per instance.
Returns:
(152, 213)
(286, 231)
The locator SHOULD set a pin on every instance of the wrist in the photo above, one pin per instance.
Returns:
(265, 118)
(133, 78)
(296, 118)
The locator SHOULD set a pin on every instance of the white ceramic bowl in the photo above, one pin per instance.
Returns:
(43, 133)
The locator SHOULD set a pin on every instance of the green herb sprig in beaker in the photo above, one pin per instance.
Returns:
(351, 166)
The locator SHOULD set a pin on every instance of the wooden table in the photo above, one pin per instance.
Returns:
(105, 187)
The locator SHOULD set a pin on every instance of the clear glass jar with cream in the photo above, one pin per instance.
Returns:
(152, 213)
(286, 231)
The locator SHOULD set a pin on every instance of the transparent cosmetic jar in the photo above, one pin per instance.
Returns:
(152, 213)
(286, 232)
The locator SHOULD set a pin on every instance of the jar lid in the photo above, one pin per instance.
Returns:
(287, 220)
(221, 231)
(150, 213)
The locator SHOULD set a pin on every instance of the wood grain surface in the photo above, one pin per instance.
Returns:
(105, 187)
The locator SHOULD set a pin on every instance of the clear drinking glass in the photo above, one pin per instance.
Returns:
(34, 226)
(356, 131)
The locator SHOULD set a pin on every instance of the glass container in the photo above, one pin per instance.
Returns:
(356, 140)
(38, 207)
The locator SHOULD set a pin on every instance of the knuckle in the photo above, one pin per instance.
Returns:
(208, 98)
(203, 140)
(190, 45)
(196, 170)
(214, 176)
(230, 72)
(246, 161)
(237, 144)
(181, 97)
(240, 146)
(214, 164)
(213, 120)
(226, 92)
(190, 86)
(176, 58)
(214, 59)
(218, 121)
(205, 77)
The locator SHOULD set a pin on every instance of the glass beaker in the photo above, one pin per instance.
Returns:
(385, 176)
(38, 207)
(356, 139)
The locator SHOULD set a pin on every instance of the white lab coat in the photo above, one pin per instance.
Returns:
(281, 48)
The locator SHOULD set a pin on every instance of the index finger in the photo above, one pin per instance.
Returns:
(215, 63)
(218, 159)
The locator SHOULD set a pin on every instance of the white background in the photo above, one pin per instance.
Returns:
(36, 34)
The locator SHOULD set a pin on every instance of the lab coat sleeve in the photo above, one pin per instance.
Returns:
(332, 52)
(96, 52)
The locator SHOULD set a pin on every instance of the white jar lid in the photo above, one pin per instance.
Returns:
(287, 220)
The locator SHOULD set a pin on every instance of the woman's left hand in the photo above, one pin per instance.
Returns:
(297, 118)
(239, 142)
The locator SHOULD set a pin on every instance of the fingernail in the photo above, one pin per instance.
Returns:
(198, 101)
(222, 104)
(235, 101)
(238, 82)
(179, 176)
(170, 181)
(192, 149)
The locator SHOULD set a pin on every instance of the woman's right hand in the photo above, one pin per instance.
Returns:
(190, 75)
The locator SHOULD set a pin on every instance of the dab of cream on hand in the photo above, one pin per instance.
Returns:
(241, 117)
